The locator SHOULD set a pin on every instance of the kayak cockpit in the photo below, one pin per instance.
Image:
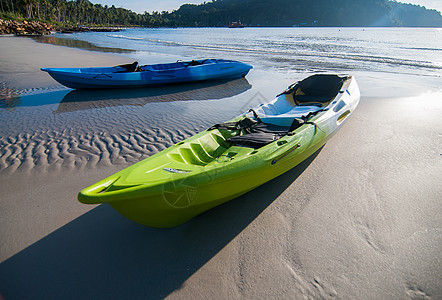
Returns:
(302, 98)
(177, 65)
(224, 141)
(319, 89)
(270, 122)
(134, 67)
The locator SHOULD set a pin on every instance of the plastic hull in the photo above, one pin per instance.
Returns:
(114, 77)
(203, 171)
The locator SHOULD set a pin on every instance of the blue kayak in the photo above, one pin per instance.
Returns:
(133, 75)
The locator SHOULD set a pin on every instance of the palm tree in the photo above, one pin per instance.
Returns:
(28, 7)
(12, 6)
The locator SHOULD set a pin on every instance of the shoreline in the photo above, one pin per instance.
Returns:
(40, 28)
(364, 208)
(24, 73)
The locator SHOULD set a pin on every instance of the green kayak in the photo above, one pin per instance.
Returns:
(230, 159)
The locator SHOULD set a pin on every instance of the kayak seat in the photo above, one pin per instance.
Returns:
(262, 134)
(255, 134)
(301, 99)
(312, 100)
(194, 63)
(318, 89)
(133, 67)
(254, 140)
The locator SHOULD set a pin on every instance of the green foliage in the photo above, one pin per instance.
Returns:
(9, 15)
(222, 12)
(74, 13)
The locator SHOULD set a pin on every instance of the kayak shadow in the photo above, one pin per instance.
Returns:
(99, 98)
(77, 100)
(103, 255)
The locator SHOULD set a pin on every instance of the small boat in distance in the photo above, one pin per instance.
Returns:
(230, 159)
(133, 75)
(236, 25)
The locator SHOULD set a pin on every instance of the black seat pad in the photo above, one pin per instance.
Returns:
(262, 134)
(319, 88)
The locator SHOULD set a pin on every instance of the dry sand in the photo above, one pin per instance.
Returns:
(360, 219)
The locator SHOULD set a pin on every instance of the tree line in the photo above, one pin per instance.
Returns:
(77, 12)
(306, 13)
(222, 12)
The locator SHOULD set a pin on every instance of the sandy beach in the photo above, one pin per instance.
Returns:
(360, 219)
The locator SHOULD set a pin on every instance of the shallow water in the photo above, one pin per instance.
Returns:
(395, 50)
(77, 128)
(76, 43)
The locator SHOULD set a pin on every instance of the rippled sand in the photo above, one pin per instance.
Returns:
(78, 129)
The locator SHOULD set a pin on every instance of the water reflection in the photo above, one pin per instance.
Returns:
(15, 99)
(9, 98)
(91, 99)
(77, 44)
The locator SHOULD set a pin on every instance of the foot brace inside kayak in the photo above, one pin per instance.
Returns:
(255, 134)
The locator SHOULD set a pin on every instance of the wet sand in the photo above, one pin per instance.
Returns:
(360, 219)
(22, 59)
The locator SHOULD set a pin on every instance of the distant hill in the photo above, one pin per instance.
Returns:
(305, 13)
(222, 12)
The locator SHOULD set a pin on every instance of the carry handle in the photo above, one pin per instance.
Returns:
(90, 195)
(286, 153)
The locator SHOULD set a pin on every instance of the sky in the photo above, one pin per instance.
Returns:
(140, 6)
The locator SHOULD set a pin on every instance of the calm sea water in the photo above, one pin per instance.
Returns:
(397, 50)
